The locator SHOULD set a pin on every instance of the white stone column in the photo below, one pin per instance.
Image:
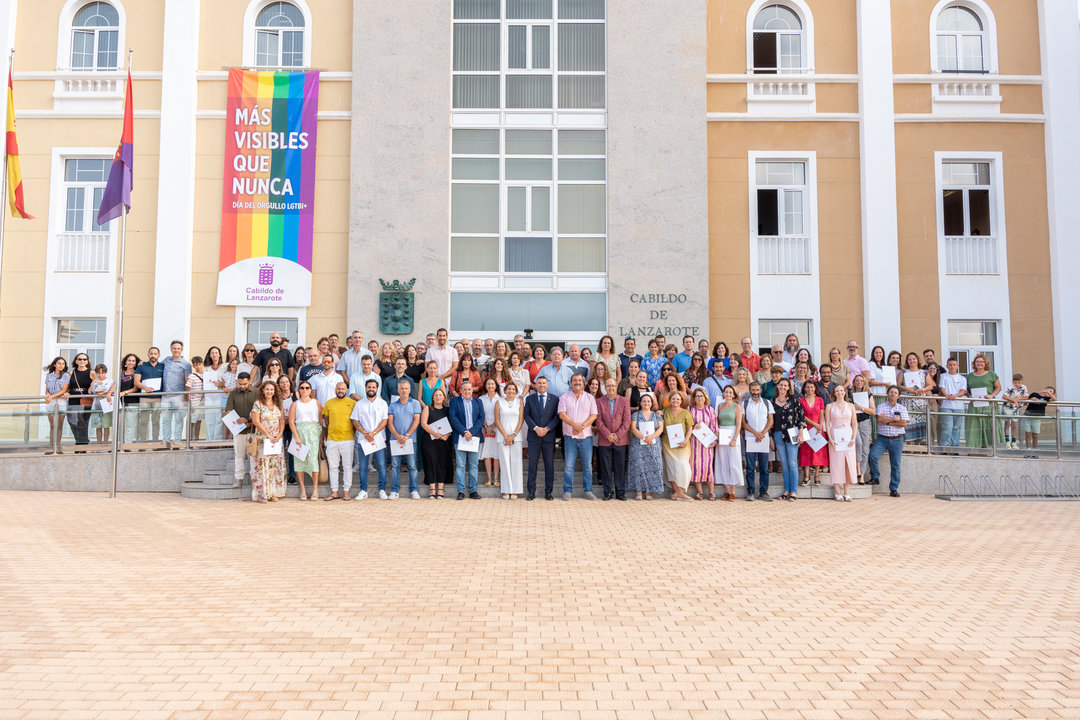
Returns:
(877, 164)
(1060, 33)
(176, 173)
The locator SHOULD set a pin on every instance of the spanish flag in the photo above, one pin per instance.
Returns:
(14, 171)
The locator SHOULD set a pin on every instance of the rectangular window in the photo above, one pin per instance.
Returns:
(782, 225)
(967, 221)
(582, 255)
(474, 254)
(774, 332)
(968, 338)
(259, 330)
(543, 312)
(84, 245)
(528, 255)
(81, 335)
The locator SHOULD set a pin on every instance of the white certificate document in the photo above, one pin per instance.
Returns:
(887, 375)
(375, 445)
(724, 435)
(753, 445)
(397, 448)
(793, 435)
(441, 427)
(272, 448)
(232, 421)
(841, 437)
(646, 428)
(817, 440)
(979, 393)
(469, 445)
(861, 398)
(913, 380)
(152, 383)
(704, 435)
(676, 434)
(106, 404)
(300, 452)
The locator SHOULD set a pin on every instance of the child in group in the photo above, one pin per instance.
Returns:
(195, 385)
(1013, 396)
(100, 420)
(1031, 422)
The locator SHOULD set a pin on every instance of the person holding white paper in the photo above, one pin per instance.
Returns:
(915, 383)
(983, 383)
(788, 422)
(728, 462)
(813, 411)
(841, 428)
(701, 455)
(865, 408)
(435, 446)
(268, 483)
(304, 417)
(369, 418)
(757, 424)
(102, 418)
(467, 421)
(509, 420)
(677, 457)
(645, 467)
(148, 379)
(404, 419)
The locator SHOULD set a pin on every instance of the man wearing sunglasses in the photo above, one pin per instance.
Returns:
(276, 351)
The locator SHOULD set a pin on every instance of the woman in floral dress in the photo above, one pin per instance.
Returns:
(701, 456)
(645, 470)
(269, 421)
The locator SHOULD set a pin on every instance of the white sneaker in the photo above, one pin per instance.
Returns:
(382, 494)
(393, 496)
(847, 498)
(362, 495)
(838, 498)
(414, 495)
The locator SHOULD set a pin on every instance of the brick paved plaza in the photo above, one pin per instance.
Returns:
(153, 606)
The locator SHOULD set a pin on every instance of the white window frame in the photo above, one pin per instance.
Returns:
(64, 349)
(989, 35)
(807, 340)
(966, 93)
(528, 25)
(973, 350)
(243, 314)
(808, 211)
(997, 208)
(66, 31)
(782, 93)
(251, 14)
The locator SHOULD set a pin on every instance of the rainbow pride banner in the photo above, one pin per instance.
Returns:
(268, 205)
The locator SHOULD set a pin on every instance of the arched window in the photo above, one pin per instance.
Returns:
(95, 37)
(779, 41)
(279, 36)
(960, 40)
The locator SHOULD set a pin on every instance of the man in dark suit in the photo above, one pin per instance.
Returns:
(613, 439)
(467, 421)
(541, 417)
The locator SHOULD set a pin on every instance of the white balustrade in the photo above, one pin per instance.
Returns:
(83, 252)
(971, 255)
(783, 255)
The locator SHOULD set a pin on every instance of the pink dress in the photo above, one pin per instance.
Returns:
(701, 457)
(842, 461)
(807, 457)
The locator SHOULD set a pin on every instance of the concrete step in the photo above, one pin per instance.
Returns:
(201, 491)
(218, 477)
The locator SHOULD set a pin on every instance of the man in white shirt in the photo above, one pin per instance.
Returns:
(324, 383)
(777, 355)
(791, 348)
(369, 418)
(758, 418)
(444, 354)
(480, 358)
(953, 386)
(359, 380)
(575, 363)
(350, 359)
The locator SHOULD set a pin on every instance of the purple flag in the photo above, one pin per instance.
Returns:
(117, 193)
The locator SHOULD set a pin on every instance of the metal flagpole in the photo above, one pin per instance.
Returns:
(4, 184)
(118, 411)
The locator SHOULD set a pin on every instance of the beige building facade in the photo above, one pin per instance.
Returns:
(899, 172)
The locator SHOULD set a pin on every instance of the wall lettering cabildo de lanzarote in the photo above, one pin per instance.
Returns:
(653, 314)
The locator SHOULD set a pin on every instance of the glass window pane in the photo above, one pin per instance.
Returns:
(99, 192)
(82, 49)
(266, 48)
(582, 209)
(292, 48)
(97, 14)
(791, 51)
(527, 255)
(545, 312)
(474, 208)
(793, 212)
(516, 47)
(958, 19)
(581, 9)
(515, 209)
(990, 333)
(475, 169)
(775, 332)
(474, 254)
(476, 142)
(476, 46)
(528, 91)
(952, 211)
(107, 54)
(528, 9)
(476, 9)
(541, 51)
(79, 331)
(582, 254)
(581, 169)
(528, 169)
(581, 46)
(581, 142)
(260, 329)
(280, 14)
(982, 173)
(973, 54)
(476, 91)
(541, 209)
(581, 92)
(74, 210)
(528, 142)
(979, 212)
(946, 49)
(764, 53)
(777, 17)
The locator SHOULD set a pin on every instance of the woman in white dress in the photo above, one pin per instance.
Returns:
(508, 421)
(519, 373)
(489, 451)
(727, 462)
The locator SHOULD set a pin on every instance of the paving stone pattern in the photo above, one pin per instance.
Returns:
(151, 606)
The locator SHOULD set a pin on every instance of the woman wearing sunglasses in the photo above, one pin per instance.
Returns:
(81, 400)
(304, 416)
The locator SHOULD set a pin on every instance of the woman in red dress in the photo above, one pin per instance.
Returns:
(813, 407)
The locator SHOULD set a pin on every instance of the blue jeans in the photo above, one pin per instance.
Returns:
(761, 462)
(951, 427)
(894, 446)
(462, 459)
(395, 472)
(379, 458)
(789, 462)
(571, 449)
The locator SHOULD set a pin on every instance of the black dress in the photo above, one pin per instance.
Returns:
(79, 415)
(438, 454)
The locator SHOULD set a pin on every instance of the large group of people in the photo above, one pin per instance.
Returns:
(699, 416)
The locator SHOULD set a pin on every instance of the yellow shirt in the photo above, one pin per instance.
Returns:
(337, 411)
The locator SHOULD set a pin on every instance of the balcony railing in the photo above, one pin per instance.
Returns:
(785, 83)
(966, 88)
(783, 255)
(83, 252)
(971, 255)
(90, 84)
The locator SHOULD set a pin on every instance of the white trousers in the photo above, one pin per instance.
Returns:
(239, 444)
(339, 457)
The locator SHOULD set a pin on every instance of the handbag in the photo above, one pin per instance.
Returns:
(252, 445)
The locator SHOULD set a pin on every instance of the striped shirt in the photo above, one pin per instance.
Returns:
(891, 411)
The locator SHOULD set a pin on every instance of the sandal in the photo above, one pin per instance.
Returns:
(332, 496)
